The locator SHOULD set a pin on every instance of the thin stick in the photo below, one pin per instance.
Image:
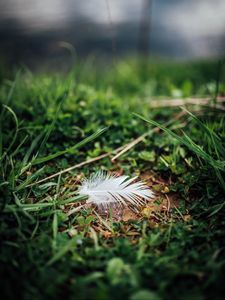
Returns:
(181, 102)
(168, 203)
(131, 144)
(74, 210)
(86, 162)
(134, 142)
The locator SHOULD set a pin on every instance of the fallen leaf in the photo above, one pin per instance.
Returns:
(129, 215)
(187, 218)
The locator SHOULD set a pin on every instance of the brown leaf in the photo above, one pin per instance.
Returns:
(187, 218)
(129, 215)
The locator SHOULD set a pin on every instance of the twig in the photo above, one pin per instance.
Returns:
(89, 161)
(74, 210)
(180, 102)
(168, 203)
(104, 222)
(131, 144)
(134, 142)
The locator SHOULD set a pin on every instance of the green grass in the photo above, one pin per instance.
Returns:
(50, 122)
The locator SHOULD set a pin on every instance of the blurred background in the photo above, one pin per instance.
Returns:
(49, 31)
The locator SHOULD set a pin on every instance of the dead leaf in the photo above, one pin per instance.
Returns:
(187, 218)
(129, 215)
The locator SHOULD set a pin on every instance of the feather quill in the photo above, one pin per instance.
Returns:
(104, 189)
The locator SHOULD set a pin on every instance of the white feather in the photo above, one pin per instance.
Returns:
(104, 189)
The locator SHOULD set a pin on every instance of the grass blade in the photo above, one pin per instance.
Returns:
(187, 141)
(71, 149)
